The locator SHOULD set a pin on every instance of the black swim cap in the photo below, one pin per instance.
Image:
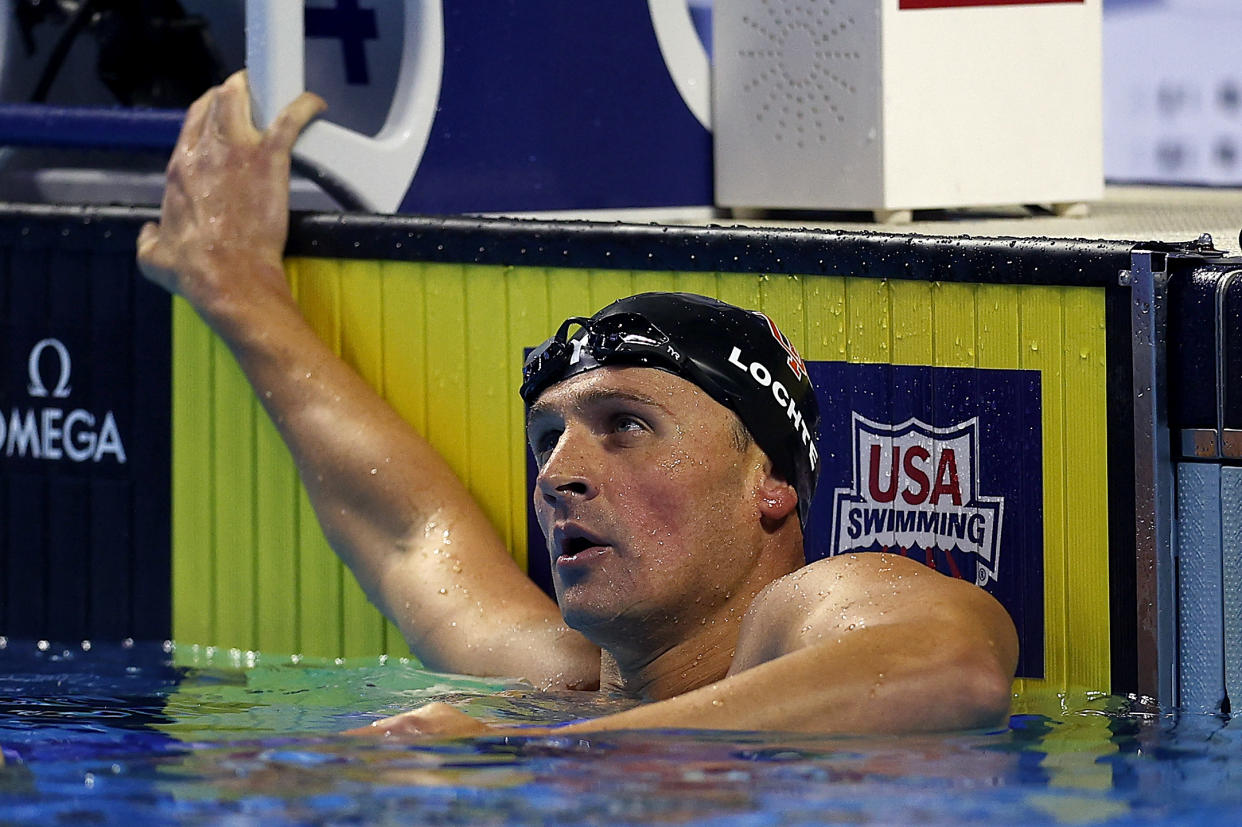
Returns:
(737, 356)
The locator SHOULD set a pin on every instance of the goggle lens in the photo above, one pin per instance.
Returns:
(621, 336)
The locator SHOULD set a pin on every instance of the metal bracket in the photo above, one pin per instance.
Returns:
(1154, 493)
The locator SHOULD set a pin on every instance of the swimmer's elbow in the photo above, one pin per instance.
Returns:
(986, 660)
(980, 675)
(985, 692)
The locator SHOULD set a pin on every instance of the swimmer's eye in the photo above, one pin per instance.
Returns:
(543, 443)
(625, 423)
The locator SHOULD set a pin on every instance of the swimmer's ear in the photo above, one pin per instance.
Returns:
(777, 498)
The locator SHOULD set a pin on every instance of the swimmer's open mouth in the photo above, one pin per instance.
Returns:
(575, 545)
(573, 541)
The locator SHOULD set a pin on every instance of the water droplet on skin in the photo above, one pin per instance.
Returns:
(374, 471)
(443, 590)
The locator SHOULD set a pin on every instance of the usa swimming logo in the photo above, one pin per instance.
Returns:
(916, 487)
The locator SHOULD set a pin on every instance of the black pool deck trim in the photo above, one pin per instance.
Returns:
(621, 246)
(712, 248)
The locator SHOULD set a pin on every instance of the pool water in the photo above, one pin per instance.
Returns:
(139, 733)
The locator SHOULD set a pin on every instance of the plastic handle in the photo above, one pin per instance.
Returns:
(377, 169)
(684, 55)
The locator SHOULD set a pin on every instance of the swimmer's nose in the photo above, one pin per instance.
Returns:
(562, 478)
(563, 489)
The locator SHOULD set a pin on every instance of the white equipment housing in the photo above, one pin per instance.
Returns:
(892, 105)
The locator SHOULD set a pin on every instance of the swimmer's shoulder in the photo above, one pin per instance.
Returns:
(837, 594)
(842, 576)
(827, 599)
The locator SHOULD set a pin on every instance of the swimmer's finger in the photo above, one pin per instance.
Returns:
(404, 725)
(293, 119)
(152, 256)
(196, 119)
(232, 112)
(436, 719)
(149, 253)
(147, 238)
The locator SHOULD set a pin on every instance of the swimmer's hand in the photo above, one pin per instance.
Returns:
(433, 720)
(438, 720)
(224, 219)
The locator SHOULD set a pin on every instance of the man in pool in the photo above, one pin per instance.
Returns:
(671, 488)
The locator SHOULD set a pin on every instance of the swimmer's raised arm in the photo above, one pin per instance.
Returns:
(385, 499)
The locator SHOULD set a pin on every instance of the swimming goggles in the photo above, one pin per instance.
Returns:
(625, 338)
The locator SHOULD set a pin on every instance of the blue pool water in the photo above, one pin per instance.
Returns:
(136, 734)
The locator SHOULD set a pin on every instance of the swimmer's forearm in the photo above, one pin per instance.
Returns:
(877, 684)
(885, 681)
(370, 475)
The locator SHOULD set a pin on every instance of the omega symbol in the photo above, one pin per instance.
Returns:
(37, 388)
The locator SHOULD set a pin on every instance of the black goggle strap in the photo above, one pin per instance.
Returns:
(551, 355)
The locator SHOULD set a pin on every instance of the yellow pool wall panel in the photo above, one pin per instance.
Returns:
(251, 570)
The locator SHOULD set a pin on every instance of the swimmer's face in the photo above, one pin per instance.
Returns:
(648, 499)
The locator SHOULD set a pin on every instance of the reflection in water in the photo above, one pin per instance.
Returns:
(127, 734)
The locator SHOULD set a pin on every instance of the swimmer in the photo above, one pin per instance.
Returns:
(672, 485)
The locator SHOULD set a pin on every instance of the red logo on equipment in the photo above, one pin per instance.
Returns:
(794, 361)
(954, 4)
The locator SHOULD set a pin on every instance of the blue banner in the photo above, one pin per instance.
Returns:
(942, 465)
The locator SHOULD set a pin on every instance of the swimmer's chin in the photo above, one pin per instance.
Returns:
(595, 624)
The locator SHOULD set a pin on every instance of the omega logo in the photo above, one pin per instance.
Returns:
(51, 433)
(36, 387)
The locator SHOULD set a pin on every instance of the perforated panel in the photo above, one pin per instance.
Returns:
(1231, 548)
(796, 89)
(1200, 643)
(803, 61)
